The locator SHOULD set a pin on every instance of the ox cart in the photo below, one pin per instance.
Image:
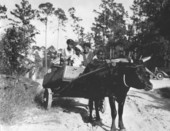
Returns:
(59, 83)
(110, 80)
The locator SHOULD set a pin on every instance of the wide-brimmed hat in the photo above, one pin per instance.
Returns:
(79, 48)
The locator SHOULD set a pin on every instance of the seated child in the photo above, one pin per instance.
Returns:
(77, 58)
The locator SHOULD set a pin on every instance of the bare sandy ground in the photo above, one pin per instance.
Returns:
(144, 111)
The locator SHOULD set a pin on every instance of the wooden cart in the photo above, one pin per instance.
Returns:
(62, 84)
(57, 82)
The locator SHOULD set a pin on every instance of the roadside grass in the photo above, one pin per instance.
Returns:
(16, 96)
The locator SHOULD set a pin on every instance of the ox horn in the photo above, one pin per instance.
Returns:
(146, 58)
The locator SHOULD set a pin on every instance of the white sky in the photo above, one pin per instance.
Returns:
(84, 10)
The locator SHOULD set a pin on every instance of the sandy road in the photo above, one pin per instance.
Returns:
(144, 111)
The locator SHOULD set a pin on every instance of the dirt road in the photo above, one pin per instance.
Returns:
(144, 111)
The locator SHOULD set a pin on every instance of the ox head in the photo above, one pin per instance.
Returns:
(134, 74)
(138, 77)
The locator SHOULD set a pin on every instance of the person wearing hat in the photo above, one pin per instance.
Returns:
(69, 51)
(87, 54)
(77, 58)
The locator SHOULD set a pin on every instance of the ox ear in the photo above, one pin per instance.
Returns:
(146, 58)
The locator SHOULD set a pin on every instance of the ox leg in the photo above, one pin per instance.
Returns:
(97, 110)
(120, 112)
(113, 112)
(90, 109)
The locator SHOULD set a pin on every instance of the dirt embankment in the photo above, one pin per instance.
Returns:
(17, 94)
(144, 111)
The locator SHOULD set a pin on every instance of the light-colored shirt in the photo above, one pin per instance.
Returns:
(68, 54)
(77, 60)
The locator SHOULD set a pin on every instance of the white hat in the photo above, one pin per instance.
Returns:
(79, 47)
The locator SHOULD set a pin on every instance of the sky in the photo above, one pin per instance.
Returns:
(84, 10)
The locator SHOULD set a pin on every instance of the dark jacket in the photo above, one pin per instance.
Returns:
(88, 59)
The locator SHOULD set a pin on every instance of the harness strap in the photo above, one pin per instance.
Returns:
(124, 80)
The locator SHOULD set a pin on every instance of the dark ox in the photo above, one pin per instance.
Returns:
(114, 82)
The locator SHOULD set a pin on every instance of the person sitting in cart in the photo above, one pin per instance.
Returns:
(99, 58)
(68, 52)
(87, 54)
(77, 58)
(55, 62)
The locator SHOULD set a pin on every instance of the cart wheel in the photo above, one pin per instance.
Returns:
(47, 98)
(159, 76)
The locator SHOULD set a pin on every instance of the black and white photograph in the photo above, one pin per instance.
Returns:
(84, 65)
